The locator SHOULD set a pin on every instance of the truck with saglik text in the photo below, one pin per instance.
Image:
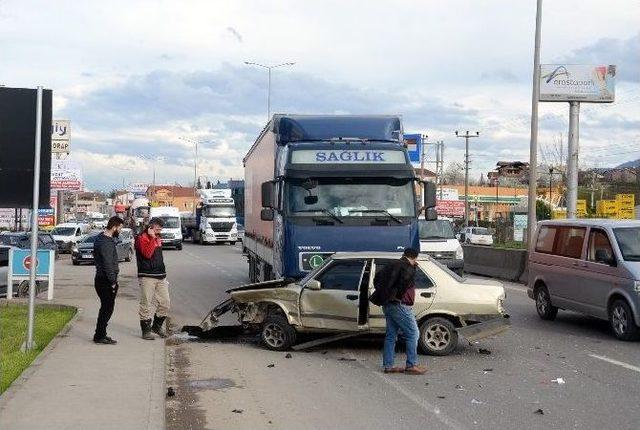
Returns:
(215, 218)
(316, 185)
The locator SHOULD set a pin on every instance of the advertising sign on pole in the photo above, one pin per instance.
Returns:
(414, 147)
(452, 208)
(66, 175)
(60, 136)
(577, 82)
(519, 226)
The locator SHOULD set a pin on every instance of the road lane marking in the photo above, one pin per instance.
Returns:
(616, 362)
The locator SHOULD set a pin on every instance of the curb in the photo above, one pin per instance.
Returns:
(26, 373)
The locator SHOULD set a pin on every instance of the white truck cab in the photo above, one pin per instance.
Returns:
(171, 234)
(439, 242)
(217, 218)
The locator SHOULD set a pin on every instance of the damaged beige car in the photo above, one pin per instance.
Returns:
(334, 299)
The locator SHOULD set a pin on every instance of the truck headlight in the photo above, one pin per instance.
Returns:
(74, 248)
(459, 253)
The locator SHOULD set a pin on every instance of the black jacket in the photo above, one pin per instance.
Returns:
(106, 258)
(149, 257)
(392, 282)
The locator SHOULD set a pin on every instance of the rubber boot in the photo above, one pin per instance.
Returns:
(157, 326)
(145, 325)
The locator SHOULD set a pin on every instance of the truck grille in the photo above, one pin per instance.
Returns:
(442, 255)
(166, 235)
(221, 226)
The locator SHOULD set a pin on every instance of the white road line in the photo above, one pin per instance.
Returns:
(616, 362)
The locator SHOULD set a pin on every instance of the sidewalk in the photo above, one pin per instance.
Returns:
(76, 384)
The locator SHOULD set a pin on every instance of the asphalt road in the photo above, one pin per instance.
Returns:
(237, 384)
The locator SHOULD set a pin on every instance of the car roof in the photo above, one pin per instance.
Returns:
(374, 254)
(601, 222)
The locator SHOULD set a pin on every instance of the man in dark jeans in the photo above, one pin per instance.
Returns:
(106, 281)
(395, 292)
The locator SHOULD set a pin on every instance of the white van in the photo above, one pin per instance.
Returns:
(171, 234)
(439, 242)
(68, 234)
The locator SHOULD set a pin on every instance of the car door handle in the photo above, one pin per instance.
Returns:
(352, 297)
(427, 295)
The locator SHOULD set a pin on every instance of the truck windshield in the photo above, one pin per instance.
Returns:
(352, 197)
(170, 221)
(220, 211)
(629, 242)
(438, 229)
(142, 212)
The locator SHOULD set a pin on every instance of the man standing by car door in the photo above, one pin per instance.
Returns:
(152, 275)
(106, 280)
(395, 292)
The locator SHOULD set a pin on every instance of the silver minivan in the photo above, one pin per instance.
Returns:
(590, 266)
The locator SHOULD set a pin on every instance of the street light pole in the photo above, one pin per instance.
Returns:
(249, 63)
(466, 136)
(533, 146)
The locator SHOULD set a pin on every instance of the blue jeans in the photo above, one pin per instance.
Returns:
(400, 318)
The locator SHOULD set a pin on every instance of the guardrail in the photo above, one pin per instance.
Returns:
(509, 264)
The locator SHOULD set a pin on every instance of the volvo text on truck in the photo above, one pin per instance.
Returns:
(316, 185)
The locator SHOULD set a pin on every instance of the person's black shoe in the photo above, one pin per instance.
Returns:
(106, 341)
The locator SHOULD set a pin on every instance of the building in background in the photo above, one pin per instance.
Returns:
(183, 198)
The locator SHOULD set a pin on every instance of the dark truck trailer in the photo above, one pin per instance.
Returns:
(319, 184)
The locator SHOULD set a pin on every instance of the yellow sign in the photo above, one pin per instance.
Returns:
(559, 214)
(581, 208)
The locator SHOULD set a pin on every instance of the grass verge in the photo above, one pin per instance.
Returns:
(49, 320)
(510, 245)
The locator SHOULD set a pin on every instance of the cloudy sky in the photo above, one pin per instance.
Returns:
(134, 77)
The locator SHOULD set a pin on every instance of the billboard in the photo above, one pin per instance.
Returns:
(577, 82)
(413, 143)
(66, 175)
(451, 208)
(60, 136)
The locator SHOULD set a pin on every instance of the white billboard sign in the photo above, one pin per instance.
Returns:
(577, 82)
(60, 136)
(66, 175)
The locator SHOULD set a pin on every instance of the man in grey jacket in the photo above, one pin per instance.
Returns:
(106, 280)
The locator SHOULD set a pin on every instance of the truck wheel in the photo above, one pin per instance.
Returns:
(277, 334)
(622, 323)
(194, 240)
(232, 243)
(438, 336)
(545, 309)
(252, 269)
(75, 262)
(179, 247)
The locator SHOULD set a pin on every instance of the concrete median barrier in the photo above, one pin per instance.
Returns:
(500, 263)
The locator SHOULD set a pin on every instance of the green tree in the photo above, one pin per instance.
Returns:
(543, 210)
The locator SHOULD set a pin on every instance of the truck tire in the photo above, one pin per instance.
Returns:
(277, 334)
(179, 247)
(252, 269)
(232, 243)
(194, 240)
(438, 336)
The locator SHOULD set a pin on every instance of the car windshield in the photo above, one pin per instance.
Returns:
(170, 221)
(481, 231)
(90, 239)
(63, 231)
(629, 242)
(438, 229)
(351, 197)
(219, 211)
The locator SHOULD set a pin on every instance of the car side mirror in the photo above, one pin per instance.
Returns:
(313, 284)
(266, 214)
(604, 257)
(268, 193)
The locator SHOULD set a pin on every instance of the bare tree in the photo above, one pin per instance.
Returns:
(453, 174)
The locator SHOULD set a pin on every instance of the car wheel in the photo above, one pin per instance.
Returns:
(75, 262)
(179, 247)
(277, 334)
(438, 336)
(129, 255)
(622, 323)
(232, 243)
(545, 309)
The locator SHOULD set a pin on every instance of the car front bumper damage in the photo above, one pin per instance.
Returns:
(483, 326)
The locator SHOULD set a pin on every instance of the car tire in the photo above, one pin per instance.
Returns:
(75, 262)
(232, 243)
(545, 309)
(622, 322)
(129, 255)
(438, 336)
(277, 334)
(179, 247)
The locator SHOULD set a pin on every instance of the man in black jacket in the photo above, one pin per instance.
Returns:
(106, 281)
(395, 292)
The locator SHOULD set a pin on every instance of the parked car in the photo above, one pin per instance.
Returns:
(335, 298)
(22, 240)
(82, 252)
(68, 234)
(590, 266)
(476, 236)
(438, 241)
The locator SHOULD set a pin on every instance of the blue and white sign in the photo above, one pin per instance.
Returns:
(414, 147)
(356, 156)
(20, 264)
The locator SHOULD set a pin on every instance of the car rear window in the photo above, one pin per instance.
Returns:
(569, 241)
(546, 237)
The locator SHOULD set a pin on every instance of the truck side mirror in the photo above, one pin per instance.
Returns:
(268, 193)
(430, 213)
(266, 214)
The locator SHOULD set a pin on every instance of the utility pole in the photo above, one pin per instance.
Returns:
(439, 164)
(249, 63)
(533, 146)
(466, 136)
(572, 162)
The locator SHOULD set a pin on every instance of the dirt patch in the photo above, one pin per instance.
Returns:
(181, 409)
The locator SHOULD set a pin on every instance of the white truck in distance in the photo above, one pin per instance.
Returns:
(215, 219)
(171, 234)
(139, 210)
